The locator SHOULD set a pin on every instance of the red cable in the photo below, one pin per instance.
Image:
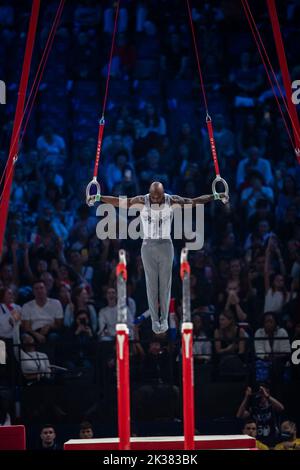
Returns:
(110, 58)
(42, 70)
(291, 108)
(102, 120)
(197, 55)
(19, 113)
(45, 55)
(208, 118)
(42, 66)
(267, 72)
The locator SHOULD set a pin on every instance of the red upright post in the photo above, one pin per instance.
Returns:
(188, 386)
(122, 345)
(14, 143)
(187, 356)
(284, 71)
(123, 386)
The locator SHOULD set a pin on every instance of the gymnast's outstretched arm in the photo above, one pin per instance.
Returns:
(123, 202)
(181, 201)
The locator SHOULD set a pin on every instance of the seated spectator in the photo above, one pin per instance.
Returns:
(86, 430)
(52, 148)
(288, 437)
(295, 269)
(154, 123)
(80, 301)
(64, 275)
(250, 429)
(174, 57)
(78, 262)
(247, 80)
(230, 342)
(291, 311)
(40, 267)
(63, 220)
(9, 275)
(35, 365)
(255, 192)
(202, 349)
(128, 186)
(228, 246)
(48, 280)
(108, 316)
(182, 162)
(117, 170)
(84, 227)
(258, 236)
(271, 340)
(251, 163)
(10, 313)
(64, 296)
(262, 211)
(276, 294)
(250, 135)
(240, 280)
(264, 409)
(141, 143)
(48, 436)
(288, 226)
(231, 301)
(286, 196)
(80, 342)
(152, 171)
(19, 190)
(43, 316)
(188, 138)
(256, 274)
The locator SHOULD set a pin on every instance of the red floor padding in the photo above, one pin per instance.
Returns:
(12, 438)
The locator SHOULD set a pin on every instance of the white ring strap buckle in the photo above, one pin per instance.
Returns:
(92, 198)
(217, 195)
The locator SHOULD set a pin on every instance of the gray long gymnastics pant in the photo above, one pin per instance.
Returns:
(157, 257)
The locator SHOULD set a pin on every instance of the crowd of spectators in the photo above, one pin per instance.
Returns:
(57, 279)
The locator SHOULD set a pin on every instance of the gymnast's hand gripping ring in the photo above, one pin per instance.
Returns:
(217, 195)
(92, 198)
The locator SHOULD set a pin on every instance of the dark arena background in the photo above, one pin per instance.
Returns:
(121, 94)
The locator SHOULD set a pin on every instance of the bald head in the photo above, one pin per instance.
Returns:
(157, 192)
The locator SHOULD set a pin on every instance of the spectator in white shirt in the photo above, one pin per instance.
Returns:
(42, 317)
(35, 365)
(10, 313)
(271, 340)
(108, 316)
(254, 162)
